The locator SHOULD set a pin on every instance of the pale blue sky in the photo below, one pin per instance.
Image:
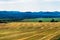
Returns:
(30, 5)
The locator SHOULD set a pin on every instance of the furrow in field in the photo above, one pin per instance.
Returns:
(18, 35)
(52, 36)
(37, 36)
(47, 37)
(40, 35)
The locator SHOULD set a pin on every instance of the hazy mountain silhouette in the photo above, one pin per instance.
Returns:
(23, 15)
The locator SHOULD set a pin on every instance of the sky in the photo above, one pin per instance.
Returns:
(30, 5)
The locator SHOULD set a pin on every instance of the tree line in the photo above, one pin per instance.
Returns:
(53, 20)
(6, 21)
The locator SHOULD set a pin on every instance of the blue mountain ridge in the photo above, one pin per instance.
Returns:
(27, 15)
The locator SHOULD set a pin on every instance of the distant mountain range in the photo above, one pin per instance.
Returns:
(27, 15)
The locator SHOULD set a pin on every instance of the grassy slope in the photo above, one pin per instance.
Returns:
(43, 19)
(31, 20)
(29, 30)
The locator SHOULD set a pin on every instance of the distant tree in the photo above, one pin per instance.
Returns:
(52, 20)
(56, 21)
(40, 20)
(3, 21)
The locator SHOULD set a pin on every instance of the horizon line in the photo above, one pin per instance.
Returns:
(29, 11)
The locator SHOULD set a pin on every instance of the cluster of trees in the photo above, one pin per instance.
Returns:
(6, 21)
(50, 21)
(3, 21)
(10, 20)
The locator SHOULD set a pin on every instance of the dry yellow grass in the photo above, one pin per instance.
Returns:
(47, 31)
(29, 24)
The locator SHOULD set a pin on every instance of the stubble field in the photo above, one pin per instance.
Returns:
(30, 31)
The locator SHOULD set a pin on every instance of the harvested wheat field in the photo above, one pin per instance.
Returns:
(30, 31)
